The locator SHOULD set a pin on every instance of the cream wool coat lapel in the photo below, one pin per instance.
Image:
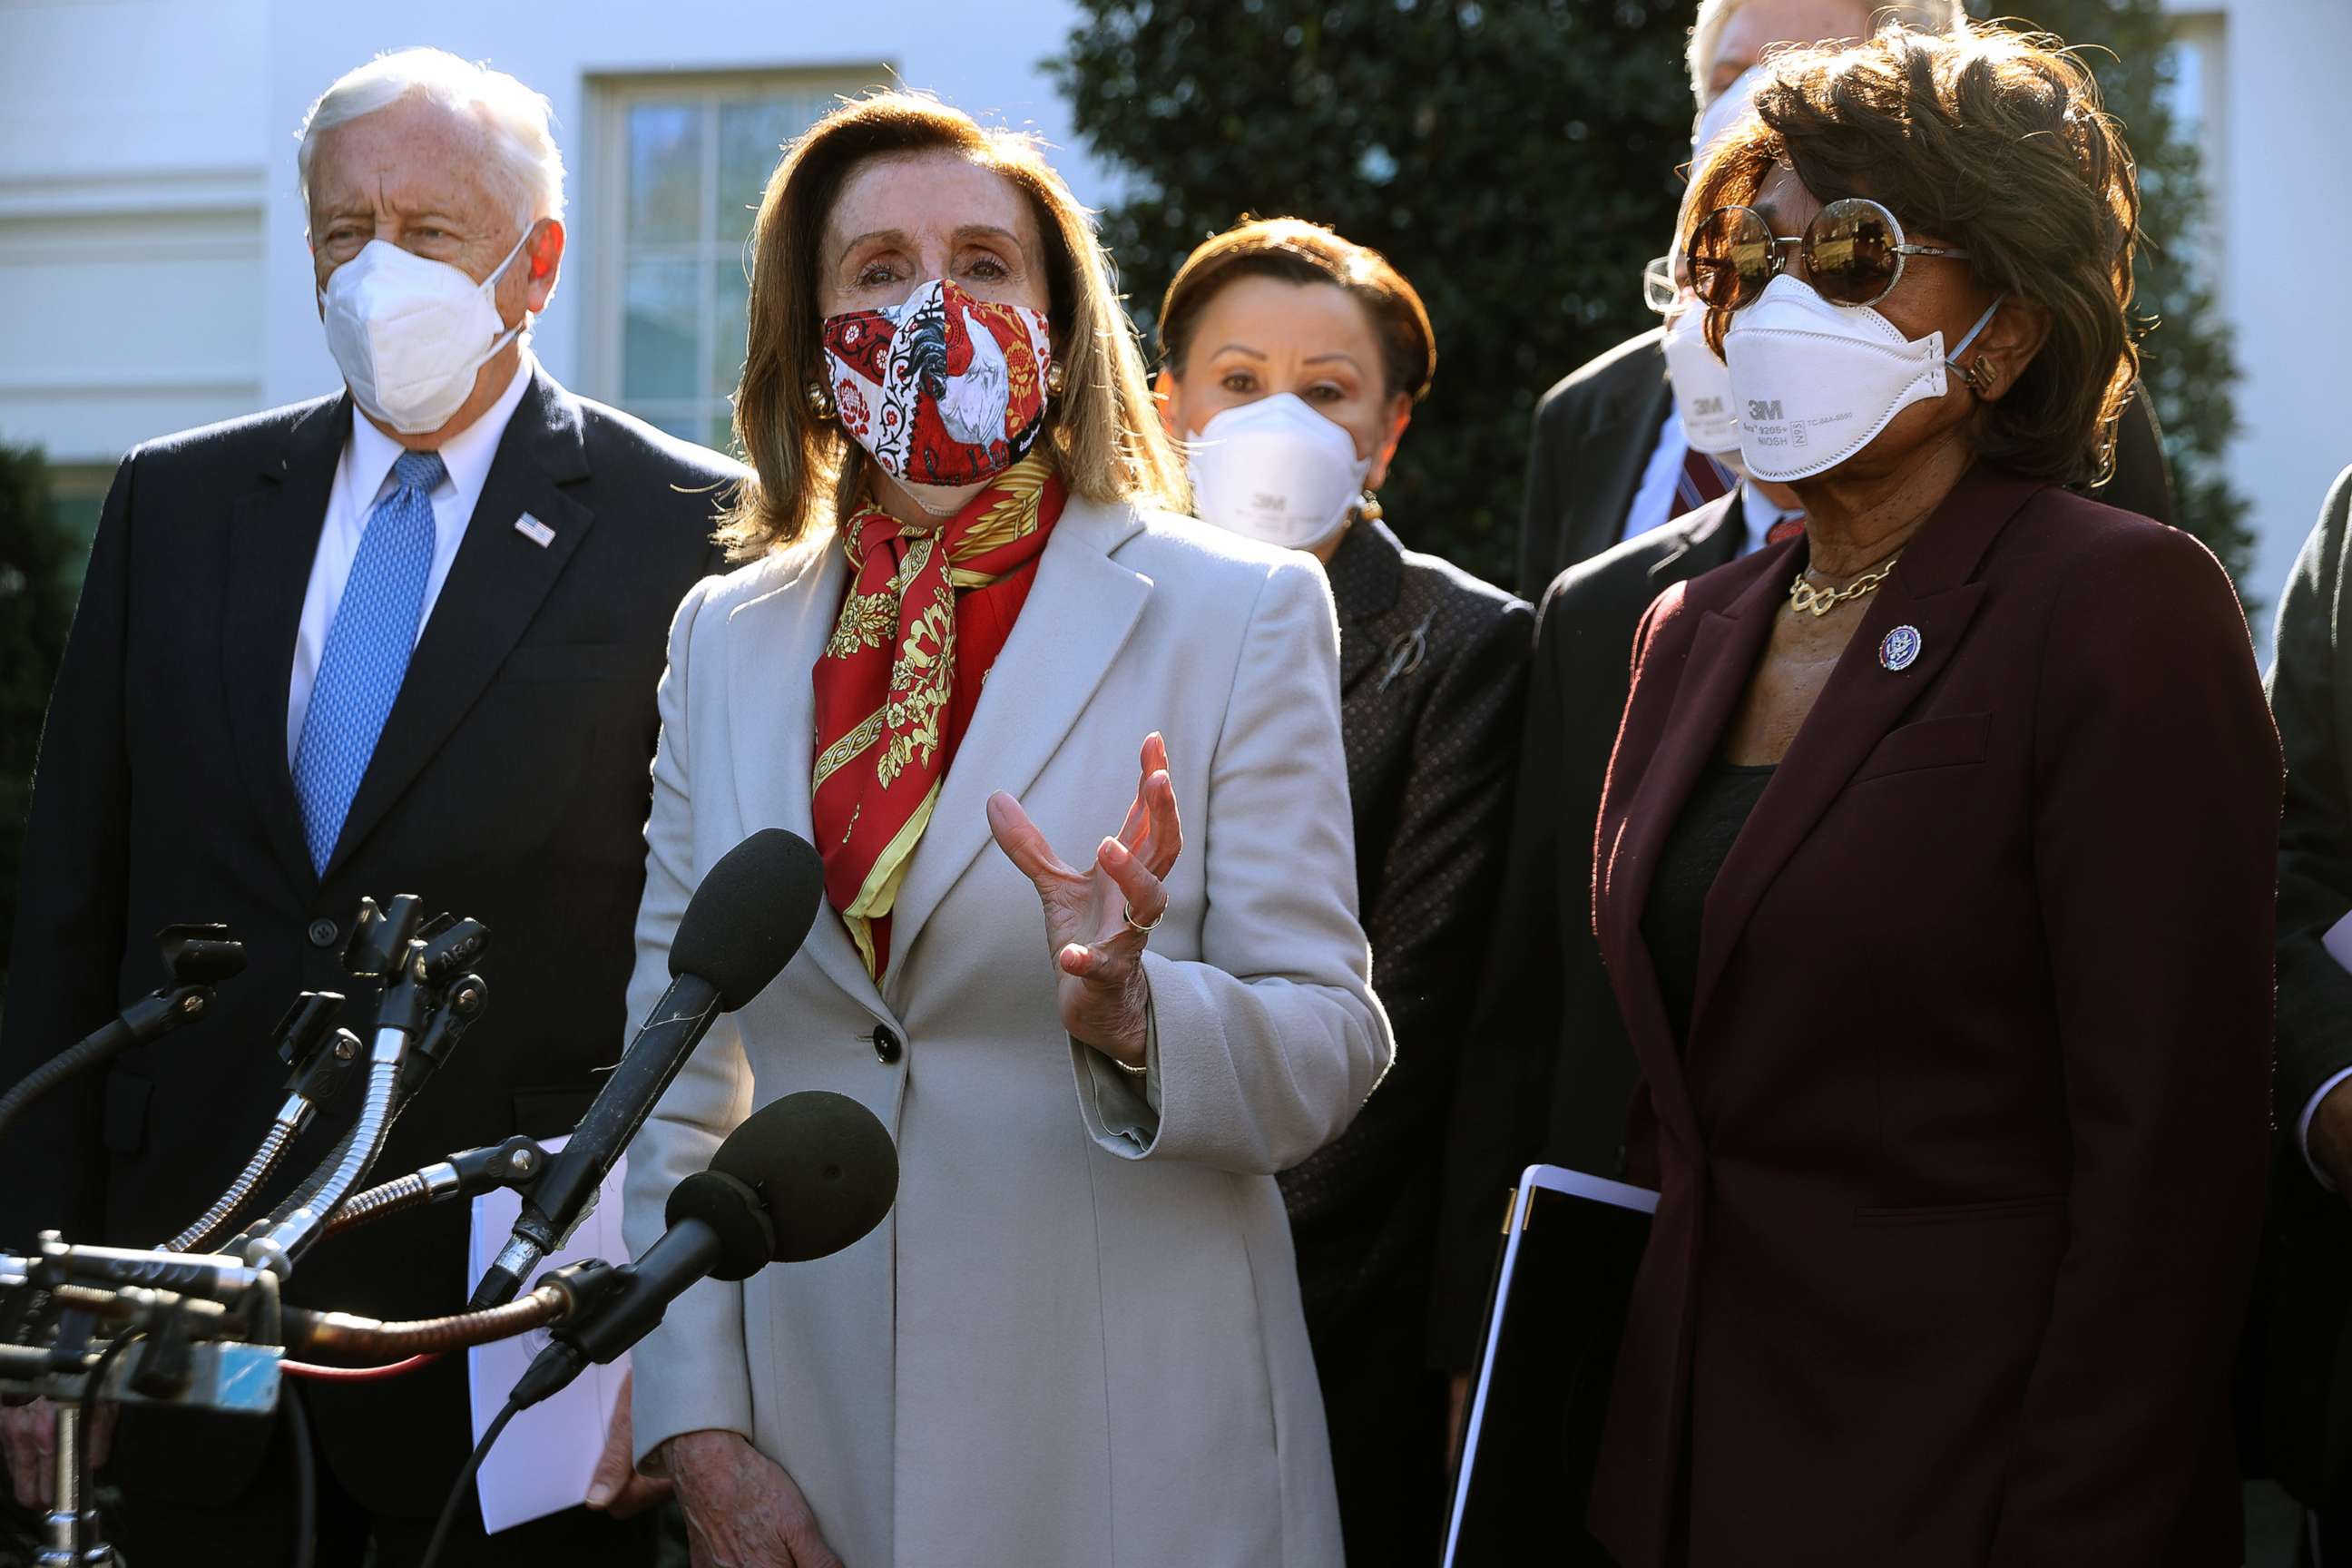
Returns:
(1076, 1339)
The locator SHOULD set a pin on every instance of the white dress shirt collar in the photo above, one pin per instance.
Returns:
(367, 459)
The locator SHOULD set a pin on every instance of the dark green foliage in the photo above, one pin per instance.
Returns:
(37, 600)
(1516, 161)
(1519, 160)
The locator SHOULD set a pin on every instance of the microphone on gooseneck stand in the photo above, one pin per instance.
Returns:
(741, 927)
(198, 956)
(802, 1178)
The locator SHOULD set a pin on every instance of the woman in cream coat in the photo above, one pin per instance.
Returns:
(1077, 1338)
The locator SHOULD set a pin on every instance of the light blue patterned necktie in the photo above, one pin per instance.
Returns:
(368, 645)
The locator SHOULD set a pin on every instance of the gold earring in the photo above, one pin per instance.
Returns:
(1054, 380)
(1368, 507)
(820, 402)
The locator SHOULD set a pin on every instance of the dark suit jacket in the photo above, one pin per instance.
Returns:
(1961, 1161)
(1432, 670)
(1546, 1071)
(1595, 429)
(2304, 1312)
(511, 783)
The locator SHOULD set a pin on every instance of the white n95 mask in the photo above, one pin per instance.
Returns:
(1274, 470)
(1813, 383)
(409, 334)
(1702, 386)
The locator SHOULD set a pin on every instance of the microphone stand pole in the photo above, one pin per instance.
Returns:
(69, 1524)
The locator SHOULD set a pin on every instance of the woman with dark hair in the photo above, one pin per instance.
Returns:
(1292, 359)
(1936, 878)
(965, 613)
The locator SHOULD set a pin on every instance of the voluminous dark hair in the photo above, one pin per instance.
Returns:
(1994, 142)
(1297, 251)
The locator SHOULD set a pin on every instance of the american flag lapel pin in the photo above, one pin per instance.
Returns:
(538, 532)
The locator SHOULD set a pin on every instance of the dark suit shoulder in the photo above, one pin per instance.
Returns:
(2058, 532)
(1629, 567)
(1434, 581)
(249, 439)
(1636, 367)
(616, 437)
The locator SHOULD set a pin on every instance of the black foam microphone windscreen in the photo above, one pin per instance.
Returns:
(824, 1163)
(743, 924)
(750, 915)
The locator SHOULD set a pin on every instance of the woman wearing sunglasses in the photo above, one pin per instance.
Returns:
(1936, 878)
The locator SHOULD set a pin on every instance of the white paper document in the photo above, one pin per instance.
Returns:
(2338, 941)
(542, 1462)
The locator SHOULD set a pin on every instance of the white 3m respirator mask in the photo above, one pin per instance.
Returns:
(410, 334)
(1813, 383)
(1702, 386)
(1276, 471)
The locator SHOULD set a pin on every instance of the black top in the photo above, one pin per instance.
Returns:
(1695, 851)
(1432, 675)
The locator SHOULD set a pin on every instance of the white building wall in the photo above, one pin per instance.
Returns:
(152, 273)
(2282, 207)
(131, 194)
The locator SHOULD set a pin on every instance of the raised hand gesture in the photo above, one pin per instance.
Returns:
(1098, 919)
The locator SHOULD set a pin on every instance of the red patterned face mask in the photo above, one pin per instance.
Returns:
(943, 389)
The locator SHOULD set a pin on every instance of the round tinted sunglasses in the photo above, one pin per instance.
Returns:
(1853, 252)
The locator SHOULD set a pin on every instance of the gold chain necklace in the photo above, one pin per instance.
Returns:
(1808, 600)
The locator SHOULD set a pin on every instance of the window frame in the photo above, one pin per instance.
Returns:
(610, 99)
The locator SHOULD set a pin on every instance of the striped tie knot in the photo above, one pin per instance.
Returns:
(421, 471)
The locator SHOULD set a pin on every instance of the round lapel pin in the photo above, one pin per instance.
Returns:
(1900, 649)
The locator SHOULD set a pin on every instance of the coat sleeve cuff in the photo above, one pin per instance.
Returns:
(690, 1375)
(1121, 1109)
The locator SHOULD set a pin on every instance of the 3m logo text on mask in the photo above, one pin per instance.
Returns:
(1763, 409)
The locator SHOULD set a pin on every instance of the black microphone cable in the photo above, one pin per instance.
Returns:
(465, 1480)
(84, 1430)
(305, 1479)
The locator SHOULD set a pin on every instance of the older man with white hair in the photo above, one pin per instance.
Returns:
(400, 639)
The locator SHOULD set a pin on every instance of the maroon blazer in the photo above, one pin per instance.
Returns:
(1962, 1162)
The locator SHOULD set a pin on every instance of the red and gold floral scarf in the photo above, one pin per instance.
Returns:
(928, 611)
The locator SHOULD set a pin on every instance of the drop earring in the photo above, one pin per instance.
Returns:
(1054, 380)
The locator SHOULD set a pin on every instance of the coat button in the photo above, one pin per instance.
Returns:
(324, 933)
(885, 1045)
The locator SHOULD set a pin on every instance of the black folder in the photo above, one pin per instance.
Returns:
(1539, 1393)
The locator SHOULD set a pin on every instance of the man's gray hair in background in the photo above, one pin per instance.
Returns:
(518, 121)
(1919, 15)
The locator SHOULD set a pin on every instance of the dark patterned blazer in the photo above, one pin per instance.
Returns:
(1432, 668)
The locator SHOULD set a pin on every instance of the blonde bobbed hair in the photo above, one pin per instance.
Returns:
(1103, 430)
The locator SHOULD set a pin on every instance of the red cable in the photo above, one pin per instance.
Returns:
(356, 1373)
